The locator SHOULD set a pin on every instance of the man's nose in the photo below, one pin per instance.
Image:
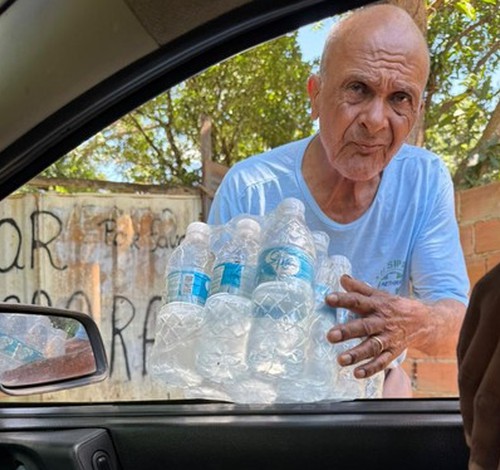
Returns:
(374, 116)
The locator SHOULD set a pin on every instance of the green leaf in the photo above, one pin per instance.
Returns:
(467, 8)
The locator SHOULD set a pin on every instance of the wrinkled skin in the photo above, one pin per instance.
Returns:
(398, 322)
(367, 101)
(478, 355)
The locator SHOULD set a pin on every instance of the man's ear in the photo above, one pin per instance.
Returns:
(313, 89)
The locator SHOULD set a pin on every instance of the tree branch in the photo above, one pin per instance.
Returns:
(436, 5)
(491, 131)
(170, 136)
(484, 59)
(145, 135)
(465, 32)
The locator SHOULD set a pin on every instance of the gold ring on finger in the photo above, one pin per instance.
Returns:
(379, 344)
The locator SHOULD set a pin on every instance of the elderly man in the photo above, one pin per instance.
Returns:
(387, 206)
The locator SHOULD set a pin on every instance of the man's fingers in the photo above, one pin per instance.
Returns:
(370, 348)
(351, 284)
(354, 302)
(377, 364)
(356, 329)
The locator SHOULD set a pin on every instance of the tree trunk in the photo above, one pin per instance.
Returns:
(417, 10)
(206, 157)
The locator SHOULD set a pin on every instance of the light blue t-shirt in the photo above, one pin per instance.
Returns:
(406, 243)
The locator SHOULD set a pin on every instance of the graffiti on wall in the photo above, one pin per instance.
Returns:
(104, 256)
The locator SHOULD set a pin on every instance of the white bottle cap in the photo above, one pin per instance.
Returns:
(291, 204)
(248, 226)
(199, 228)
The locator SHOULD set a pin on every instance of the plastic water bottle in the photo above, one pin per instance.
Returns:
(374, 385)
(346, 386)
(321, 364)
(180, 318)
(283, 299)
(222, 345)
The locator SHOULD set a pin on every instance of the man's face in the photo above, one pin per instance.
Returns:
(367, 100)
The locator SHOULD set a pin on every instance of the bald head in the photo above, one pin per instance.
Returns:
(368, 24)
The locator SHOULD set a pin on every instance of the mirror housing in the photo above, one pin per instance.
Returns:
(46, 349)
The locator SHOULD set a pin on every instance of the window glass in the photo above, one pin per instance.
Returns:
(94, 231)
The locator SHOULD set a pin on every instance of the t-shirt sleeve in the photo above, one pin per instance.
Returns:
(437, 265)
(227, 201)
(220, 209)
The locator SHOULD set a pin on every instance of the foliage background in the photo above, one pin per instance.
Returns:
(462, 120)
(257, 100)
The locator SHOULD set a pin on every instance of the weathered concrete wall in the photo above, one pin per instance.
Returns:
(101, 254)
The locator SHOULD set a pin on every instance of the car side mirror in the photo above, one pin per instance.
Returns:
(44, 349)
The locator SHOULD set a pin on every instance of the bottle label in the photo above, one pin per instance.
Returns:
(233, 278)
(188, 286)
(281, 263)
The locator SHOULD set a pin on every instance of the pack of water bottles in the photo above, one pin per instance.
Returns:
(245, 318)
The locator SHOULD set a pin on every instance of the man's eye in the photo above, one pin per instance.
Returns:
(402, 103)
(357, 88)
(356, 92)
(401, 98)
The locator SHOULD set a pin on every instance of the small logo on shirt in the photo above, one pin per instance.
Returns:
(391, 276)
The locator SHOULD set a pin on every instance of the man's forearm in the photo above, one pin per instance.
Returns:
(440, 335)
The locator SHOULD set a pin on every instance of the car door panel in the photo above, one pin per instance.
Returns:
(399, 434)
(71, 449)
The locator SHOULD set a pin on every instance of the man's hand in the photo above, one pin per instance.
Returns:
(479, 372)
(389, 324)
